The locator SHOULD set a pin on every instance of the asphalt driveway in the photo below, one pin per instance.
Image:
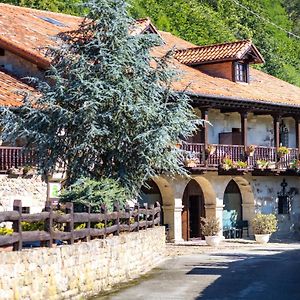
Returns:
(249, 274)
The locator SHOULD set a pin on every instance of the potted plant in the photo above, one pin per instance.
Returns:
(282, 151)
(263, 226)
(262, 164)
(241, 164)
(250, 150)
(210, 228)
(210, 150)
(228, 164)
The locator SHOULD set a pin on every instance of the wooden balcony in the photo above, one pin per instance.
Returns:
(205, 161)
(15, 158)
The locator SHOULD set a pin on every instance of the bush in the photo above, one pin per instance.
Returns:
(92, 192)
(210, 226)
(5, 231)
(27, 226)
(264, 224)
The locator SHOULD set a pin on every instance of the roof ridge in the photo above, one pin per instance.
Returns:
(216, 45)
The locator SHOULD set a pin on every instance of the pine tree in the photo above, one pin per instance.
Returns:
(107, 108)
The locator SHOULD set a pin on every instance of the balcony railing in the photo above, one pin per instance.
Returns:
(15, 158)
(237, 153)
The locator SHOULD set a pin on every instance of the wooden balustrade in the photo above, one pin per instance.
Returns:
(237, 153)
(15, 157)
(61, 226)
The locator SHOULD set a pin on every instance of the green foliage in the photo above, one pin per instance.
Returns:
(95, 193)
(32, 226)
(78, 226)
(210, 226)
(206, 22)
(264, 224)
(5, 231)
(107, 112)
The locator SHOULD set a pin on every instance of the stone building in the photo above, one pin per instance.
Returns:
(234, 163)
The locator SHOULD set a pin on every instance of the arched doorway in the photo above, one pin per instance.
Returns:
(193, 210)
(150, 194)
(232, 201)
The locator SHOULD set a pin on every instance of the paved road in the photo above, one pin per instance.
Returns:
(251, 274)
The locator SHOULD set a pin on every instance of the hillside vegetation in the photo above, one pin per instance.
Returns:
(212, 21)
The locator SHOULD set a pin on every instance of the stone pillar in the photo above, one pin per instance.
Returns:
(172, 217)
(248, 214)
(215, 210)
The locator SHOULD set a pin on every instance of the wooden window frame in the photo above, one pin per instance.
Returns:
(241, 72)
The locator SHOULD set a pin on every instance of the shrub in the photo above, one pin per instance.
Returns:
(92, 192)
(241, 164)
(5, 231)
(264, 224)
(27, 226)
(210, 226)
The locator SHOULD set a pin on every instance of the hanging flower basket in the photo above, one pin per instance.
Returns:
(210, 150)
(282, 151)
(250, 150)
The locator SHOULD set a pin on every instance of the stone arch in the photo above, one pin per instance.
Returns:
(210, 199)
(248, 202)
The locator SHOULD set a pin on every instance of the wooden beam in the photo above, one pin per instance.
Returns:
(204, 113)
(276, 123)
(297, 131)
(244, 126)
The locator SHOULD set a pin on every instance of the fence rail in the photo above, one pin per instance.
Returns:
(112, 223)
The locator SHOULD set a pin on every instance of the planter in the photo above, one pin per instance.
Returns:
(213, 240)
(262, 238)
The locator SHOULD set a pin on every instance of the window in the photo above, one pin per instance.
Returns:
(2, 52)
(25, 210)
(241, 72)
(283, 205)
(283, 135)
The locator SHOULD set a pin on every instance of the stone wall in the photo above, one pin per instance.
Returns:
(32, 190)
(80, 270)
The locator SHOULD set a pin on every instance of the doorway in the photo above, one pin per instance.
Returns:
(193, 210)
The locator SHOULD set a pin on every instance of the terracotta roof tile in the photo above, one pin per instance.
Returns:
(218, 52)
(9, 88)
(263, 87)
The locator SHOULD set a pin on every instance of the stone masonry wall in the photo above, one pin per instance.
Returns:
(81, 270)
(31, 190)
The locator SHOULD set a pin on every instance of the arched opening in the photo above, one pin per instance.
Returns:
(232, 201)
(150, 194)
(193, 210)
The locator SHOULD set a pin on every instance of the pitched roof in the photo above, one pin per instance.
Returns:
(263, 87)
(24, 30)
(28, 32)
(218, 52)
(9, 87)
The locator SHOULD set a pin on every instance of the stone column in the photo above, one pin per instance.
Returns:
(215, 210)
(248, 214)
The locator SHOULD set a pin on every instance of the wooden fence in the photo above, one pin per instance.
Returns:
(140, 217)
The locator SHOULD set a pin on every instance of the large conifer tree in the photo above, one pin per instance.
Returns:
(106, 108)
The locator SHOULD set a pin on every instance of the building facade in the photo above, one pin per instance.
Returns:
(245, 158)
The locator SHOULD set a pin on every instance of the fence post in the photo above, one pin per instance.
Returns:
(137, 218)
(152, 214)
(146, 208)
(70, 225)
(104, 211)
(88, 238)
(17, 227)
(159, 212)
(127, 210)
(117, 209)
(49, 223)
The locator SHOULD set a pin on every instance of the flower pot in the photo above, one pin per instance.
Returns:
(213, 240)
(262, 238)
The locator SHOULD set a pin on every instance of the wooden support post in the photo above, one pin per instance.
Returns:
(117, 209)
(297, 130)
(17, 226)
(276, 122)
(204, 113)
(244, 127)
(152, 214)
(159, 213)
(49, 223)
(70, 225)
